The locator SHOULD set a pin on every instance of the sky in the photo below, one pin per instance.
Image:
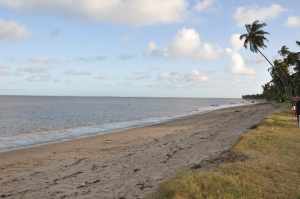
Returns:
(154, 48)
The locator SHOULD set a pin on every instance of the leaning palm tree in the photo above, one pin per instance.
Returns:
(255, 38)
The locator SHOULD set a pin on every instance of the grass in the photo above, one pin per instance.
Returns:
(271, 170)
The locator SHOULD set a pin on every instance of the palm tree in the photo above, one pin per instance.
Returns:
(255, 38)
(284, 51)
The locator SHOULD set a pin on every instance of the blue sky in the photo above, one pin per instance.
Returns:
(178, 48)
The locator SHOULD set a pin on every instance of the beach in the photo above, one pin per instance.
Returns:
(127, 164)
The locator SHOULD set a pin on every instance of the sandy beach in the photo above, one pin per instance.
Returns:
(123, 165)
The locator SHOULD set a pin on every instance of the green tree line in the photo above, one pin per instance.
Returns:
(285, 71)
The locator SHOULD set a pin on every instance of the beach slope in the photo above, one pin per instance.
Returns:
(128, 164)
(264, 163)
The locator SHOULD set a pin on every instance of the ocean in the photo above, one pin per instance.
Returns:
(26, 121)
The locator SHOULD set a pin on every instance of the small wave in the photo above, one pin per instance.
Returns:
(39, 138)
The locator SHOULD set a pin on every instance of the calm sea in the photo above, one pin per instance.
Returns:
(26, 121)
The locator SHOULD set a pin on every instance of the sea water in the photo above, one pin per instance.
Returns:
(27, 121)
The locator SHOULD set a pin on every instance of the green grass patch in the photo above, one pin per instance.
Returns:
(272, 169)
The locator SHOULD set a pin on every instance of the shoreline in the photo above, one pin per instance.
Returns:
(264, 163)
(134, 124)
(128, 164)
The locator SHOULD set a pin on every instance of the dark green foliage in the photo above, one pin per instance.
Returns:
(285, 75)
(255, 96)
(285, 72)
(255, 36)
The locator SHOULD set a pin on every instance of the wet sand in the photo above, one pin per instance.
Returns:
(123, 165)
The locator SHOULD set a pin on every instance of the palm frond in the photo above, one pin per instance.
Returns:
(261, 32)
(255, 37)
(248, 28)
(243, 36)
(246, 42)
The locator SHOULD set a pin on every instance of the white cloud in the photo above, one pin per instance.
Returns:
(136, 12)
(196, 76)
(246, 15)
(41, 60)
(187, 44)
(39, 78)
(34, 73)
(293, 22)
(11, 30)
(4, 70)
(238, 64)
(101, 77)
(88, 59)
(139, 76)
(126, 57)
(236, 43)
(55, 60)
(33, 70)
(153, 50)
(255, 60)
(204, 5)
(151, 47)
(77, 73)
(177, 78)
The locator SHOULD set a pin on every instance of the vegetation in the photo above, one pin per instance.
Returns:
(270, 163)
(285, 72)
(271, 169)
(255, 96)
(256, 38)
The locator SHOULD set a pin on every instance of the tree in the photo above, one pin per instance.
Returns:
(287, 69)
(296, 75)
(281, 79)
(255, 38)
(284, 51)
(292, 59)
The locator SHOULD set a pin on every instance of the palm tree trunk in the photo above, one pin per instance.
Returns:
(285, 83)
(265, 58)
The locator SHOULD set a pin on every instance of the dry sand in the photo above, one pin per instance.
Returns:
(124, 165)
